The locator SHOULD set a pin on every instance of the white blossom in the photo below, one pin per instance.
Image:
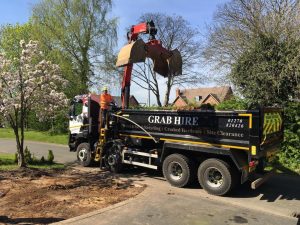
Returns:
(39, 84)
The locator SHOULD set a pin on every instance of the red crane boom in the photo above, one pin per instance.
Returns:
(166, 63)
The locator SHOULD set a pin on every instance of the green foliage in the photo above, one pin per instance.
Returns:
(207, 106)
(289, 156)
(153, 107)
(10, 37)
(27, 155)
(235, 103)
(268, 73)
(42, 159)
(50, 156)
(58, 125)
(80, 32)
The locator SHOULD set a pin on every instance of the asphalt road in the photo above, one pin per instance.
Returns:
(272, 204)
(61, 152)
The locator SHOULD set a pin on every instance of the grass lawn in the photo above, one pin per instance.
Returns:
(36, 136)
(7, 163)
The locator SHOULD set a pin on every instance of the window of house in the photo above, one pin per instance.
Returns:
(198, 98)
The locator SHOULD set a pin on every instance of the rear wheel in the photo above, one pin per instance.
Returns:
(84, 155)
(178, 170)
(216, 176)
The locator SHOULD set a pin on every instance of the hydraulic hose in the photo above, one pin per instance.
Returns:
(136, 125)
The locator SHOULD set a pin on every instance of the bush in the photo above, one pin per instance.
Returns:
(43, 159)
(27, 155)
(50, 156)
(235, 103)
(289, 156)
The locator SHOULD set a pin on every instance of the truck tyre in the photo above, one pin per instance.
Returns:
(178, 170)
(113, 158)
(216, 176)
(84, 155)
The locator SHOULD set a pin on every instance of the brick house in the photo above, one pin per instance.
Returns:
(211, 95)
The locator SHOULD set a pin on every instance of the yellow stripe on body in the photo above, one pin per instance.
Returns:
(250, 118)
(190, 142)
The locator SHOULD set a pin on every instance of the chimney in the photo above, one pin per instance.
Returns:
(177, 92)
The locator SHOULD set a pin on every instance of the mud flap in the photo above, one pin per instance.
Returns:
(132, 53)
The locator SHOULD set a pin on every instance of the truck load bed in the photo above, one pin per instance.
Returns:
(257, 130)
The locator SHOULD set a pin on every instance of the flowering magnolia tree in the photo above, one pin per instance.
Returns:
(29, 83)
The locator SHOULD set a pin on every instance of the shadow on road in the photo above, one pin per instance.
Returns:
(278, 187)
(44, 220)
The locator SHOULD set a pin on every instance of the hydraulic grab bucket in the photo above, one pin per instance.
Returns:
(167, 64)
(132, 53)
(175, 63)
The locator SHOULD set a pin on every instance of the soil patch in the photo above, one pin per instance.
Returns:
(33, 196)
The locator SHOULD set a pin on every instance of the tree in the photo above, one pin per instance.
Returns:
(28, 82)
(10, 37)
(239, 22)
(174, 32)
(258, 42)
(269, 72)
(80, 28)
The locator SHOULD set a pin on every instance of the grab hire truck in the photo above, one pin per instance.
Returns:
(220, 148)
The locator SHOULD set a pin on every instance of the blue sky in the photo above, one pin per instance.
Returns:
(197, 12)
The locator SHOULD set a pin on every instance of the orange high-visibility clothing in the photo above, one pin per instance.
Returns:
(105, 99)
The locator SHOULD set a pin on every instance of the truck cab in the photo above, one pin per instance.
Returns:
(84, 126)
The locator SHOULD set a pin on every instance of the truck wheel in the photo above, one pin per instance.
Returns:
(113, 158)
(178, 170)
(216, 176)
(84, 155)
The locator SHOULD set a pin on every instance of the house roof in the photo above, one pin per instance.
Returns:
(181, 97)
(220, 92)
(212, 95)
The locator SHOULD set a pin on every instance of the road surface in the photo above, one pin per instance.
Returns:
(162, 204)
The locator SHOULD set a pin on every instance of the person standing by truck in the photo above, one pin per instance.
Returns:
(105, 100)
